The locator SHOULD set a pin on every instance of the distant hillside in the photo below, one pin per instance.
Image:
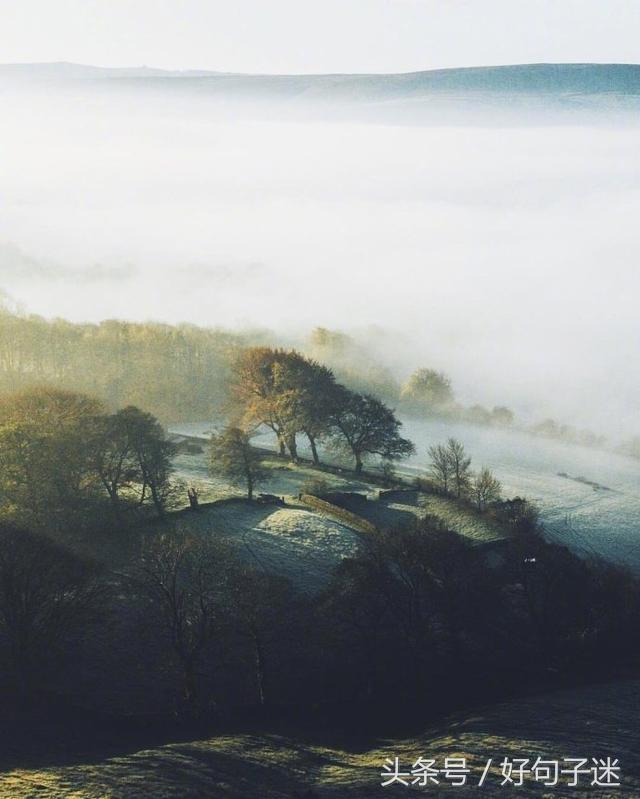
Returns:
(504, 95)
(528, 78)
(64, 70)
(564, 93)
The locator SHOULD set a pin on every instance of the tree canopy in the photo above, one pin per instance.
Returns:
(292, 394)
(62, 454)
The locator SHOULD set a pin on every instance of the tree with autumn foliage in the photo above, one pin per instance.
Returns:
(285, 391)
(257, 392)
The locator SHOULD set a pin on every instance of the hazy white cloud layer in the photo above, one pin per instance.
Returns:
(508, 257)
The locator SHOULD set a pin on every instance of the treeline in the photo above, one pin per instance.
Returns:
(178, 373)
(428, 392)
(67, 462)
(183, 372)
(550, 428)
(419, 619)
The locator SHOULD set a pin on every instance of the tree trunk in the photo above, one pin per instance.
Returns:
(260, 670)
(281, 445)
(358, 463)
(115, 500)
(24, 670)
(157, 501)
(293, 446)
(249, 487)
(314, 449)
(190, 683)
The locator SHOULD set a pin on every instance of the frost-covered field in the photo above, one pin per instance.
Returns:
(292, 541)
(605, 522)
(285, 479)
(297, 541)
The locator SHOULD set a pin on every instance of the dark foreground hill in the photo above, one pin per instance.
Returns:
(597, 721)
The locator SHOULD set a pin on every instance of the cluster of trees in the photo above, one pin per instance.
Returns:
(416, 615)
(428, 391)
(498, 416)
(550, 428)
(178, 373)
(423, 610)
(63, 457)
(294, 395)
(450, 471)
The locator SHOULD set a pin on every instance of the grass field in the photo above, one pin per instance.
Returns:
(296, 541)
(290, 541)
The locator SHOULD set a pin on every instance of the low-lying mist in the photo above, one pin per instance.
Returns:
(506, 256)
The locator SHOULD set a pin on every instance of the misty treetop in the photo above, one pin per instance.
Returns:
(427, 388)
(355, 364)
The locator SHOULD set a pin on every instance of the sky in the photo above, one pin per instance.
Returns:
(276, 36)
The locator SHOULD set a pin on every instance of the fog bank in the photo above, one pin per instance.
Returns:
(506, 256)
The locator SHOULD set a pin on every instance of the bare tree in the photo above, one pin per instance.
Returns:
(440, 467)
(460, 464)
(184, 580)
(485, 488)
(265, 614)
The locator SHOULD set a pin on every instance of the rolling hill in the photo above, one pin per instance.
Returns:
(496, 92)
(536, 78)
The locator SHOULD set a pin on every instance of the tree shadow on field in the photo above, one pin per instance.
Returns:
(385, 517)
